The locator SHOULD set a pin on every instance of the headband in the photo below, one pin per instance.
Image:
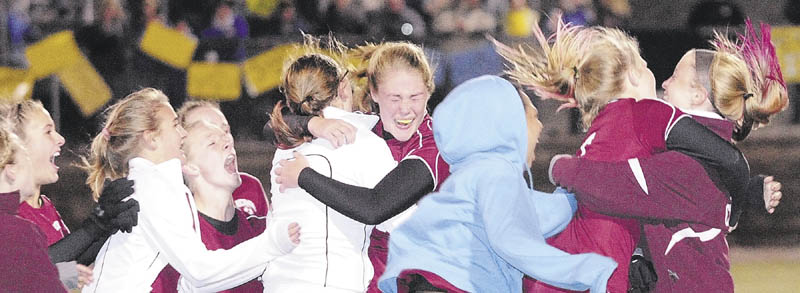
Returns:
(702, 68)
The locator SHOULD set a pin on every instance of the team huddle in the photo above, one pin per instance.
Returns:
(370, 193)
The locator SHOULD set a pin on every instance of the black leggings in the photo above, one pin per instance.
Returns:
(418, 284)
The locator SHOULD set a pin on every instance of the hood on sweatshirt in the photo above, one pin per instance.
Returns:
(482, 116)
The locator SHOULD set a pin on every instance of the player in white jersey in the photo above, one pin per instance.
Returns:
(142, 139)
(333, 254)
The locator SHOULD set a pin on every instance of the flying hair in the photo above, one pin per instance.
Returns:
(761, 92)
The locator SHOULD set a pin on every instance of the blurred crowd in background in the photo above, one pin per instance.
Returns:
(232, 30)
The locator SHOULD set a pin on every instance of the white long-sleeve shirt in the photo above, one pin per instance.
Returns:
(168, 232)
(332, 255)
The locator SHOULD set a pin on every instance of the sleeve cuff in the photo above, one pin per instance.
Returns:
(559, 166)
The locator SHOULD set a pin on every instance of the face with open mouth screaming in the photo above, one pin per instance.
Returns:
(44, 145)
(210, 153)
(402, 98)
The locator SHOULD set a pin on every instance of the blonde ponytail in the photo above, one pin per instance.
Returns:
(120, 139)
(746, 79)
(582, 67)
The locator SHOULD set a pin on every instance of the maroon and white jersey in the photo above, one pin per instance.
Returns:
(420, 146)
(623, 129)
(24, 265)
(685, 214)
(251, 199)
(47, 218)
(215, 237)
(693, 257)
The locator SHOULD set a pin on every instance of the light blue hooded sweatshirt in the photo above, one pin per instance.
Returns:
(485, 227)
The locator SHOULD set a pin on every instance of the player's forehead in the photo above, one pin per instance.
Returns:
(202, 130)
(209, 114)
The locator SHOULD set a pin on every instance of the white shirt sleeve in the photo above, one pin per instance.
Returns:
(169, 224)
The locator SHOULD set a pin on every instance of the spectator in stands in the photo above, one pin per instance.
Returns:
(396, 21)
(576, 12)
(346, 16)
(613, 13)
(286, 21)
(467, 17)
(710, 14)
(228, 32)
(103, 42)
(19, 30)
(520, 19)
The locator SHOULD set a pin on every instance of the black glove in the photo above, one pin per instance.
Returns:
(113, 214)
(641, 274)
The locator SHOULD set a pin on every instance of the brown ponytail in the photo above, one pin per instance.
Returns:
(309, 83)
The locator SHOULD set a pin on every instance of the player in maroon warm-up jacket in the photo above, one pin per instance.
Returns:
(600, 71)
(685, 225)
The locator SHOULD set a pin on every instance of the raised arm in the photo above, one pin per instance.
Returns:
(167, 223)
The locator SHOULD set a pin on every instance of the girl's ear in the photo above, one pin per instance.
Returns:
(150, 139)
(372, 94)
(700, 96)
(342, 92)
(633, 78)
(10, 172)
(190, 170)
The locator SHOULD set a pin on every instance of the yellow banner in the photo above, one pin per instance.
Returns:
(263, 8)
(215, 81)
(168, 45)
(787, 46)
(263, 72)
(54, 53)
(86, 87)
(15, 84)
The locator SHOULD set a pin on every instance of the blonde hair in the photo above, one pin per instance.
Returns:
(18, 114)
(744, 91)
(310, 82)
(9, 147)
(585, 67)
(120, 139)
(192, 105)
(379, 59)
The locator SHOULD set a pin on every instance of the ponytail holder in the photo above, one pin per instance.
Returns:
(747, 96)
(105, 133)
